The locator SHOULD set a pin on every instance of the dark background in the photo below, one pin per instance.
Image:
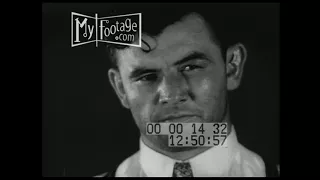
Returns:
(85, 130)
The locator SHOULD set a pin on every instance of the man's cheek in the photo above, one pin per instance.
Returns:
(140, 107)
(205, 90)
(132, 92)
(207, 94)
(141, 112)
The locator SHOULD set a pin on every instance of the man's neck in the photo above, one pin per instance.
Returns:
(185, 155)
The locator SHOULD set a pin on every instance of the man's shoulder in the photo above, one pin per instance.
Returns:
(106, 174)
(122, 168)
(130, 165)
(256, 163)
(251, 160)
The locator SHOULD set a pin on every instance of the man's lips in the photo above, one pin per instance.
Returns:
(182, 119)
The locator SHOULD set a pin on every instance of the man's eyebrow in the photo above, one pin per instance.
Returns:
(192, 56)
(138, 71)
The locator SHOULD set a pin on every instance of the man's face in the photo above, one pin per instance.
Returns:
(182, 79)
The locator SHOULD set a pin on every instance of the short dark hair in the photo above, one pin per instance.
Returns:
(227, 22)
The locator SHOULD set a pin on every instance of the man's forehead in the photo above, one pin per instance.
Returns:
(188, 30)
(188, 34)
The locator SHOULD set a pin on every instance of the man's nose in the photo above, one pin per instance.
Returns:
(173, 90)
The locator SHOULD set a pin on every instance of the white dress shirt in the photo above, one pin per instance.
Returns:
(232, 161)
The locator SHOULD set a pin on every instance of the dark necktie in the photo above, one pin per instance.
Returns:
(182, 170)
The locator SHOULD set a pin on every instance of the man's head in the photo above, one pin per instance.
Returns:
(185, 73)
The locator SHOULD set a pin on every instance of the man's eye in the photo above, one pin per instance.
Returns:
(148, 77)
(191, 67)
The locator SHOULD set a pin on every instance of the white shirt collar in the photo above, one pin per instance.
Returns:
(213, 162)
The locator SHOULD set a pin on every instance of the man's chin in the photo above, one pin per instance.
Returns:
(162, 141)
(179, 149)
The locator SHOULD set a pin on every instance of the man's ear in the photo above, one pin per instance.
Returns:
(236, 58)
(117, 84)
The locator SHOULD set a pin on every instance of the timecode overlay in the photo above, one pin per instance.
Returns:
(191, 134)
